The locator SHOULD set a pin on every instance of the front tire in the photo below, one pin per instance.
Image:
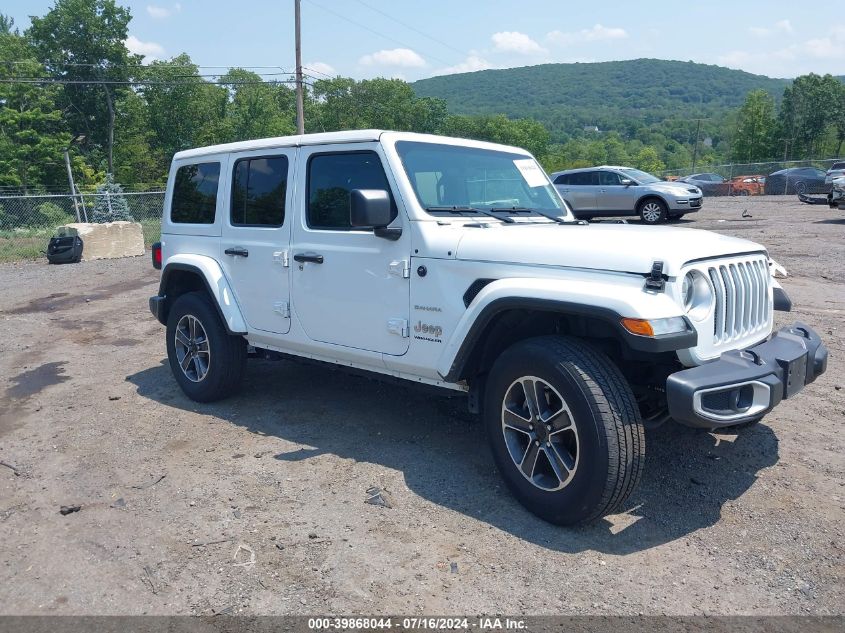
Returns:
(564, 429)
(206, 361)
(653, 211)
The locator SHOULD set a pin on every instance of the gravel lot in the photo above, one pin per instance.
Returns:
(257, 505)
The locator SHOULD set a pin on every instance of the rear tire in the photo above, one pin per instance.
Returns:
(207, 362)
(653, 211)
(576, 451)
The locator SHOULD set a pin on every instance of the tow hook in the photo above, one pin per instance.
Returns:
(655, 282)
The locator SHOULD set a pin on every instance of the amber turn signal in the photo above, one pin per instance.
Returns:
(641, 327)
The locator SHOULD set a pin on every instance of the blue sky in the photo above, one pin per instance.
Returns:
(414, 39)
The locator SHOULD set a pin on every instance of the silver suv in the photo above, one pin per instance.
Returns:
(608, 191)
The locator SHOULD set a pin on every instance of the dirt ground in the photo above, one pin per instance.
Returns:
(257, 505)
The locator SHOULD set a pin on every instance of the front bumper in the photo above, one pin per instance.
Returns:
(688, 205)
(744, 385)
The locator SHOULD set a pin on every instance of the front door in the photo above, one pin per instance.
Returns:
(256, 236)
(613, 196)
(350, 287)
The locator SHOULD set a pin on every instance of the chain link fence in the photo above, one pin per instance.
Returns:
(773, 178)
(28, 221)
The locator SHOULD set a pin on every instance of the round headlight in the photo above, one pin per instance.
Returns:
(696, 295)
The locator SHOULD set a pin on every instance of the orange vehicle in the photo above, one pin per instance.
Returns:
(747, 185)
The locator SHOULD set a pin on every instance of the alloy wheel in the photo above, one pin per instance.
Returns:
(193, 351)
(540, 434)
(652, 212)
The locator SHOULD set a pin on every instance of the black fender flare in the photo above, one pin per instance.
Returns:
(656, 344)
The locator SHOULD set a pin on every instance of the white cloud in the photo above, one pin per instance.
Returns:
(830, 47)
(598, 33)
(321, 68)
(150, 50)
(825, 54)
(159, 13)
(516, 42)
(781, 27)
(401, 57)
(472, 63)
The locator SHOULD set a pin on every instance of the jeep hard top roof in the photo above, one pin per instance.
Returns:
(325, 138)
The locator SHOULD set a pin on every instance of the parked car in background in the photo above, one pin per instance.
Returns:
(710, 184)
(796, 180)
(836, 197)
(837, 170)
(612, 190)
(747, 185)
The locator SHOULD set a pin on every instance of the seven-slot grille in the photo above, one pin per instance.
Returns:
(742, 298)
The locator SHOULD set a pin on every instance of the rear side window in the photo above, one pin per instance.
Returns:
(585, 178)
(259, 186)
(195, 194)
(331, 178)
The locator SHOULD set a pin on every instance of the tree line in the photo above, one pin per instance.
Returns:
(68, 82)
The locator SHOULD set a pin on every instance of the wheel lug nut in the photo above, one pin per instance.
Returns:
(548, 443)
(530, 427)
(548, 427)
(536, 442)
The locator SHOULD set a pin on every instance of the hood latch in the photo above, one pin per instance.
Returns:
(656, 280)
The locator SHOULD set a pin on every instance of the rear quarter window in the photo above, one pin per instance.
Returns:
(195, 193)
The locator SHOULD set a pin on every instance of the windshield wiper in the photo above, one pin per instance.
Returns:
(466, 209)
(551, 217)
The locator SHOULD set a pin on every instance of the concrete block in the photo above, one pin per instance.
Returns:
(107, 241)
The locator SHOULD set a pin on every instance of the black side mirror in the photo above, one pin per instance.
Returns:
(371, 208)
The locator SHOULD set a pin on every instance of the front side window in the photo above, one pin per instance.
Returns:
(448, 178)
(331, 178)
(259, 187)
(195, 194)
(609, 178)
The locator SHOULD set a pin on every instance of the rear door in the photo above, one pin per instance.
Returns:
(581, 193)
(256, 236)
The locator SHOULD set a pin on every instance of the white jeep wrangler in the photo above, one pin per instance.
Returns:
(455, 263)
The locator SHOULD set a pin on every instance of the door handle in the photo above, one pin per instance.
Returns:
(237, 251)
(314, 258)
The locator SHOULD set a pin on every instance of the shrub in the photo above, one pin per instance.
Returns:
(111, 204)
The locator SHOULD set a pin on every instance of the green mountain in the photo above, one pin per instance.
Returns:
(621, 96)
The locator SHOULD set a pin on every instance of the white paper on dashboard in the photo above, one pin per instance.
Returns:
(531, 171)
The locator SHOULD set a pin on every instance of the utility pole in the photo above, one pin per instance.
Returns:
(695, 150)
(300, 110)
(70, 182)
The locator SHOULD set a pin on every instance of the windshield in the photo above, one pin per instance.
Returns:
(640, 177)
(449, 178)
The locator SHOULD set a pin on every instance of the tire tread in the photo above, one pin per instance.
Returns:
(606, 387)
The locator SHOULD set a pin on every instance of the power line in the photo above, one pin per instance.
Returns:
(116, 66)
(92, 82)
(367, 28)
(412, 28)
(319, 72)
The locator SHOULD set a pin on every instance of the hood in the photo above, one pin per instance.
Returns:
(616, 247)
(678, 188)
